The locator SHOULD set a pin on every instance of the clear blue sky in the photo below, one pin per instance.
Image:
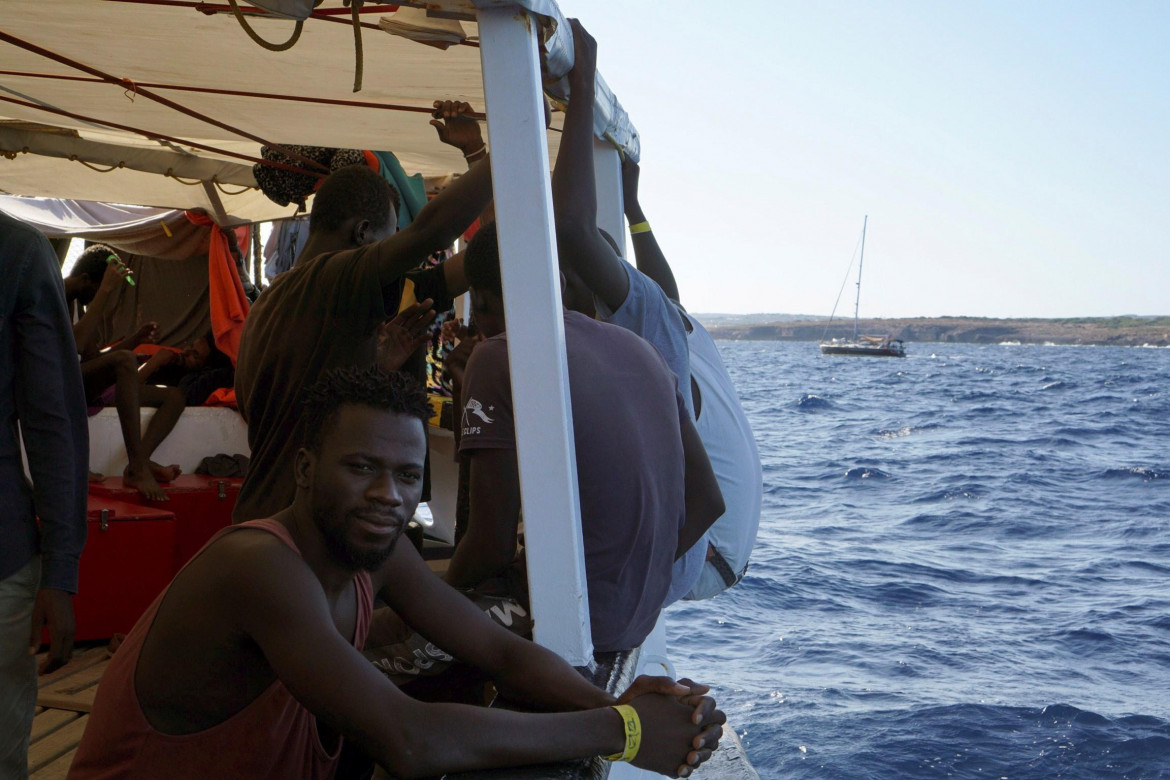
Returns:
(1013, 157)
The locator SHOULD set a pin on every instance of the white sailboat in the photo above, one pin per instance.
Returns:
(866, 346)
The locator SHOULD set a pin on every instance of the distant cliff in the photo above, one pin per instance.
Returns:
(1115, 331)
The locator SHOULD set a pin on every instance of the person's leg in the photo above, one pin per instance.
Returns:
(170, 404)
(18, 672)
(123, 366)
(98, 374)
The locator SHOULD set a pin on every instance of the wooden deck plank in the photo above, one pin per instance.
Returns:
(49, 721)
(80, 661)
(56, 770)
(75, 692)
(76, 702)
(56, 745)
(80, 680)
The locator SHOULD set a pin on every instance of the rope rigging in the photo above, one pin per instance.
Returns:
(355, 8)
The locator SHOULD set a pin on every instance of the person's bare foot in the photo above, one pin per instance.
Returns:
(96, 477)
(144, 483)
(165, 473)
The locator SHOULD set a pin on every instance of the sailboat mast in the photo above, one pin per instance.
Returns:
(860, 263)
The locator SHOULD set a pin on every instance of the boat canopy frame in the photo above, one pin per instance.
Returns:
(52, 118)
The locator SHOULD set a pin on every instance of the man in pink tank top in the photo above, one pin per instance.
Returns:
(249, 664)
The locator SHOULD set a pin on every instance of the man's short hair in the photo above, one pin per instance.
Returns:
(386, 391)
(481, 263)
(353, 191)
(91, 264)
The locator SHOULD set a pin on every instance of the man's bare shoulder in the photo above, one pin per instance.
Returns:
(247, 559)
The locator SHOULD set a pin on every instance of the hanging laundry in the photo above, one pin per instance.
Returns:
(284, 243)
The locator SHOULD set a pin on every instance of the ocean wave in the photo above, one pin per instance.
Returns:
(1160, 622)
(812, 403)
(1104, 399)
(987, 410)
(978, 395)
(1052, 441)
(1085, 642)
(950, 521)
(864, 472)
(972, 740)
(967, 491)
(1136, 472)
(905, 430)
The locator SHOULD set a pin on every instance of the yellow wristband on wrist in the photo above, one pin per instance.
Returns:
(641, 227)
(632, 726)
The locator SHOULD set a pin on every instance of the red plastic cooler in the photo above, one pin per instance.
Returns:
(202, 505)
(127, 561)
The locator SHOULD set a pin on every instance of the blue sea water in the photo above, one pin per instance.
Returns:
(963, 567)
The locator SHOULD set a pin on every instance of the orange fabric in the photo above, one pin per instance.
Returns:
(229, 305)
(372, 161)
(224, 396)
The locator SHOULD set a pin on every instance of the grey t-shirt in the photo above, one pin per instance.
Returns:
(627, 414)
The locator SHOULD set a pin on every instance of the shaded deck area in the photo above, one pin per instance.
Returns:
(64, 701)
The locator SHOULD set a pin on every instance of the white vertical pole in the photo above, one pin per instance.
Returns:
(607, 174)
(536, 339)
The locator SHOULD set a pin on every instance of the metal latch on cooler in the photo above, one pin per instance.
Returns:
(221, 485)
(104, 520)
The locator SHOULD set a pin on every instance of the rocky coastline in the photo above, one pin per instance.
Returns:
(1084, 331)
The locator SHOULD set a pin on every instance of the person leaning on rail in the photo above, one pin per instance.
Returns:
(249, 665)
(645, 300)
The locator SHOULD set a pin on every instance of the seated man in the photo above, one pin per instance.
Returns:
(645, 301)
(646, 488)
(111, 376)
(352, 275)
(248, 666)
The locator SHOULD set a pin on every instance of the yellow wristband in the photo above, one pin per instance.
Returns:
(632, 726)
(641, 227)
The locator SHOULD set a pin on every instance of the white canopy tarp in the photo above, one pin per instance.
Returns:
(207, 64)
(65, 218)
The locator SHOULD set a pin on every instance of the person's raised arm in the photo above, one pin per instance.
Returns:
(85, 331)
(580, 244)
(647, 254)
(704, 499)
(489, 545)
(398, 338)
(450, 212)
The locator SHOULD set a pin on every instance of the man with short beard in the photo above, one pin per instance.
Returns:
(249, 665)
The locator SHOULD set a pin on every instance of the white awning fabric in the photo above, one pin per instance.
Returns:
(61, 218)
(55, 116)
